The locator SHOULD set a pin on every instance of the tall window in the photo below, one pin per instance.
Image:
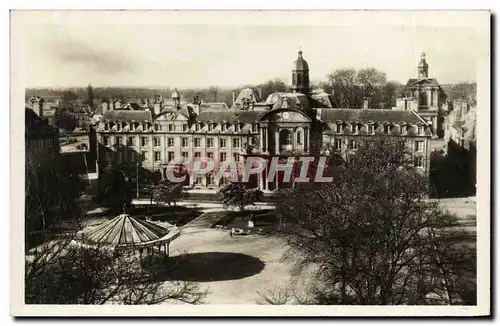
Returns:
(185, 155)
(210, 179)
(338, 144)
(184, 142)
(197, 142)
(105, 140)
(210, 142)
(222, 143)
(144, 155)
(197, 156)
(118, 141)
(170, 142)
(419, 146)
(210, 155)
(185, 127)
(222, 157)
(171, 156)
(144, 141)
(131, 141)
(353, 144)
(210, 127)
(237, 127)
(236, 157)
(157, 127)
(299, 137)
(236, 142)
(223, 127)
(285, 137)
(156, 141)
(157, 156)
(171, 127)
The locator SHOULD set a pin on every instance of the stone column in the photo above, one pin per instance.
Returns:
(277, 142)
(264, 139)
(429, 98)
(306, 139)
(261, 139)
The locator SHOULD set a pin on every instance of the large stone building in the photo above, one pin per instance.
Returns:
(302, 121)
(425, 96)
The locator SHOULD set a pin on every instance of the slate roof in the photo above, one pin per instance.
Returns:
(230, 116)
(127, 115)
(413, 81)
(367, 115)
(214, 106)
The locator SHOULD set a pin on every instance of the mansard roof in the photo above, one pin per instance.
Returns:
(370, 115)
(127, 115)
(413, 81)
(229, 116)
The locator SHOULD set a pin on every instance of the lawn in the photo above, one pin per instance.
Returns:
(178, 215)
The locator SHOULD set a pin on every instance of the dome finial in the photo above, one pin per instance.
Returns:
(300, 51)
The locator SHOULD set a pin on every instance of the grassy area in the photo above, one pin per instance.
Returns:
(174, 215)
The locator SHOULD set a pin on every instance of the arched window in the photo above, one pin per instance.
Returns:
(286, 140)
(299, 137)
(300, 80)
(294, 79)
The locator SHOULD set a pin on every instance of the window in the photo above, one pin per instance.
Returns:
(156, 141)
(170, 156)
(299, 137)
(370, 129)
(236, 157)
(197, 156)
(236, 142)
(210, 179)
(184, 142)
(131, 141)
(285, 137)
(197, 142)
(237, 127)
(157, 127)
(196, 127)
(118, 141)
(144, 141)
(119, 126)
(185, 155)
(170, 142)
(210, 142)
(386, 129)
(185, 127)
(198, 180)
(105, 140)
(420, 130)
(419, 146)
(119, 156)
(210, 155)
(144, 156)
(353, 144)
(338, 144)
(254, 127)
(157, 156)
(106, 126)
(171, 127)
(222, 143)
(210, 127)
(223, 157)
(223, 127)
(419, 161)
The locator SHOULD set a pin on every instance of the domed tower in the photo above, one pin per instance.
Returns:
(300, 75)
(176, 97)
(423, 67)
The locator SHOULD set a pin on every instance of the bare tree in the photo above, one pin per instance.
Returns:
(372, 236)
(214, 91)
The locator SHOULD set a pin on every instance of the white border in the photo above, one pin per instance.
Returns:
(16, 134)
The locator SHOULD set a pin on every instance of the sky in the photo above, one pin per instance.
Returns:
(202, 49)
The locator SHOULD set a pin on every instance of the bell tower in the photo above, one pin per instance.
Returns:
(423, 67)
(300, 75)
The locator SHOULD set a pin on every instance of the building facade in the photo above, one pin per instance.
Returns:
(302, 121)
(425, 96)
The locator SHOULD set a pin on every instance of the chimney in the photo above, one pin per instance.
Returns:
(37, 103)
(234, 98)
(111, 105)
(260, 94)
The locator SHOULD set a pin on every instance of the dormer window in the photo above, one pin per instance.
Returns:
(106, 126)
(254, 127)
(386, 129)
(237, 127)
(420, 130)
(196, 127)
(170, 127)
(157, 127)
(210, 127)
(185, 127)
(223, 127)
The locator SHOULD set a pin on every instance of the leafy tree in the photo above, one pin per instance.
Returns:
(90, 96)
(239, 194)
(372, 236)
(343, 84)
(272, 86)
(214, 91)
(68, 97)
(116, 189)
(168, 192)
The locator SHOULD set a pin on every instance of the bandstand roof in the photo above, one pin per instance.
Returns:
(127, 231)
